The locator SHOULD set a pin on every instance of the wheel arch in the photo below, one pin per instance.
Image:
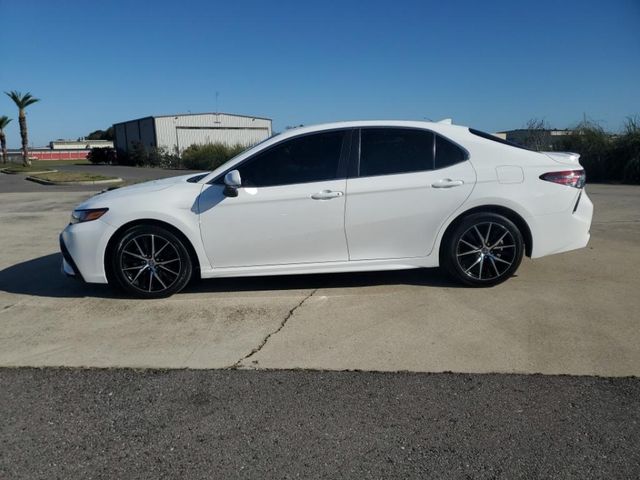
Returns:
(507, 212)
(193, 255)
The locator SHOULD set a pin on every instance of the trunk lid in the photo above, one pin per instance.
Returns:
(565, 158)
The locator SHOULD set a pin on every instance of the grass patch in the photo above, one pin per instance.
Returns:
(72, 177)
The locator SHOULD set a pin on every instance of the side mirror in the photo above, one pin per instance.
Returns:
(232, 182)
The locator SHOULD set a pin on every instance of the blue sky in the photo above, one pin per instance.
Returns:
(489, 64)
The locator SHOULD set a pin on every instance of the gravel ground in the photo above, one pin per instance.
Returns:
(70, 423)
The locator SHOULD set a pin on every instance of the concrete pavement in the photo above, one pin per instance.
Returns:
(573, 313)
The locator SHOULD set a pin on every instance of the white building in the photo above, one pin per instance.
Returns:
(79, 144)
(177, 132)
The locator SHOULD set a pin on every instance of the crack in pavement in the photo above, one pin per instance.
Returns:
(11, 306)
(280, 327)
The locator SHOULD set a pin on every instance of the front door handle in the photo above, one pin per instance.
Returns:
(326, 195)
(447, 183)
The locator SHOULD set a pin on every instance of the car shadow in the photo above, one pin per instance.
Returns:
(432, 277)
(42, 277)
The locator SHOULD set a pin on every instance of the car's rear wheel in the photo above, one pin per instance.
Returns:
(483, 250)
(149, 261)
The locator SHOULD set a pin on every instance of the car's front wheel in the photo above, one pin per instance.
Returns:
(149, 261)
(484, 249)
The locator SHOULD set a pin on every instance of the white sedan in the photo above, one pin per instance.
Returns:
(341, 197)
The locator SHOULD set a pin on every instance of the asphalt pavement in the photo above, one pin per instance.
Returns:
(95, 424)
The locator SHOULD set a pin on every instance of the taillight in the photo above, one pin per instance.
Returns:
(570, 178)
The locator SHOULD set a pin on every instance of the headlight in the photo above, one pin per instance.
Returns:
(86, 215)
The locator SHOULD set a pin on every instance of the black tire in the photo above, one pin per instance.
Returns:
(149, 261)
(482, 250)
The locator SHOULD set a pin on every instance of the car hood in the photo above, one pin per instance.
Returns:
(101, 199)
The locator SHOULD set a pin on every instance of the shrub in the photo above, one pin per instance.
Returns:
(160, 157)
(102, 155)
(196, 157)
(142, 156)
(595, 147)
(607, 157)
(122, 157)
(632, 171)
(629, 149)
(209, 156)
(137, 155)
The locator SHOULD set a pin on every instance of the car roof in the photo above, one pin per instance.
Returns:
(456, 133)
(434, 126)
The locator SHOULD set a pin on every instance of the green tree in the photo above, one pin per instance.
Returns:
(101, 134)
(102, 155)
(4, 121)
(22, 102)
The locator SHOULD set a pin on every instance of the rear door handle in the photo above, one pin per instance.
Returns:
(447, 183)
(326, 195)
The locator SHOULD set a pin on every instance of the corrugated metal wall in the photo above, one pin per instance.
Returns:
(184, 130)
(147, 132)
(132, 133)
(120, 139)
(135, 131)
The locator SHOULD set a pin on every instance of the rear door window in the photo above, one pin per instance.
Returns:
(389, 151)
(448, 153)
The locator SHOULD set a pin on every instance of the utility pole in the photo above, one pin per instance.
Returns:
(217, 110)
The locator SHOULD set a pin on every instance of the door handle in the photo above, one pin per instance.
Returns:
(447, 183)
(326, 195)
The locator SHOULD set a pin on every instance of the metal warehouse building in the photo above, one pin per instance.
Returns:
(177, 132)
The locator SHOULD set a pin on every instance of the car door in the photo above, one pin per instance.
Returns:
(405, 183)
(289, 209)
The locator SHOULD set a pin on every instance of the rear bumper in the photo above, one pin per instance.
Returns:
(564, 231)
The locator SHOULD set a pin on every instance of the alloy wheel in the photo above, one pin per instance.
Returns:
(486, 251)
(150, 263)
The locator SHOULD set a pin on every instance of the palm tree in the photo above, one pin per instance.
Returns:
(22, 102)
(4, 121)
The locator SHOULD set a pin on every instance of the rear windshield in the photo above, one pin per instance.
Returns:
(493, 138)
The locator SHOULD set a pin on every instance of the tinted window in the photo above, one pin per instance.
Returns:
(386, 151)
(311, 158)
(448, 153)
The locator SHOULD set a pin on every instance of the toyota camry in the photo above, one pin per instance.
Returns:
(341, 197)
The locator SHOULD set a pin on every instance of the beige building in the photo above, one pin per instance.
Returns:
(177, 132)
(79, 144)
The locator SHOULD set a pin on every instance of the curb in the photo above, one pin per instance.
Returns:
(4, 170)
(88, 182)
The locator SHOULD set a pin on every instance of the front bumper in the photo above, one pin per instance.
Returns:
(83, 247)
(69, 267)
